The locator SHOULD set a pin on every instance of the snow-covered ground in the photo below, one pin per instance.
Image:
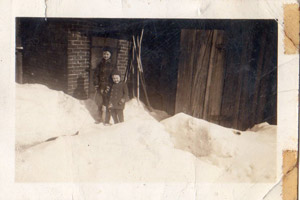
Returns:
(58, 141)
(248, 156)
(42, 113)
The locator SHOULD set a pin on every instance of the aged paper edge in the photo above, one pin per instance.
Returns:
(290, 175)
(291, 28)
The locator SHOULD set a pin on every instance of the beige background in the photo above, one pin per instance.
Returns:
(291, 28)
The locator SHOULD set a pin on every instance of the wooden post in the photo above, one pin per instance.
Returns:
(138, 86)
(131, 70)
(137, 73)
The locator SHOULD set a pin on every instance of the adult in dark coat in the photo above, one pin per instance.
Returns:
(118, 97)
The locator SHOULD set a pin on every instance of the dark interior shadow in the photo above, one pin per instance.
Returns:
(79, 92)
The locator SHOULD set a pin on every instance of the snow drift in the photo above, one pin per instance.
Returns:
(200, 137)
(42, 113)
(250, 156)
(142, 149)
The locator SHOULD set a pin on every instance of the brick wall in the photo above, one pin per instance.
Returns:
(78, 62)
(58, 54)
(123, 53)
(79, 49)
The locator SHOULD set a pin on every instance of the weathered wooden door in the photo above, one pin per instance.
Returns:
(96, 55)
(201, 74)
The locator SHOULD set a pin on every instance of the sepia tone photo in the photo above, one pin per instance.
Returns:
(146, 100)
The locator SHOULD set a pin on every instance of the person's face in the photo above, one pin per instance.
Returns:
(106, 55)
(116, 78)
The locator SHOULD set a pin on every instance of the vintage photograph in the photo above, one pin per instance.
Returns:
(146, 100)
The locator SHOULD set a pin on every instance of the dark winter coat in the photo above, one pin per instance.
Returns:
(102, 74)
(118, 95)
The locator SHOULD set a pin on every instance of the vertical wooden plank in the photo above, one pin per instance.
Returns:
(251, 84)
(192, 48)
(264, 87)
(244, 68)
(270, 109)
(204, 41)
(231, 79)
(181, 73)
(259, 72)
(185, 67)
(216, 90)
(209, 77)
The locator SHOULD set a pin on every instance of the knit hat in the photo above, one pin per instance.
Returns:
(107, 48)
(116, 72)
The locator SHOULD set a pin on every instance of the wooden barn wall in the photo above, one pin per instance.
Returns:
(250, 83)
(229, 77)
(200, 73)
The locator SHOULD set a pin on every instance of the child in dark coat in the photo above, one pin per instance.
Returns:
(103, 82)
(117, 98)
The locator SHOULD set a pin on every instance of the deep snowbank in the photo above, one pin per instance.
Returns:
(250, 156)
(42, 113)
(142, 152)
(180, 149)
(200, 137)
